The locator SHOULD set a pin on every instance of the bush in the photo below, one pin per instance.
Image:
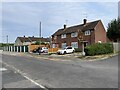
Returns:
(99, 48)
(78, 50)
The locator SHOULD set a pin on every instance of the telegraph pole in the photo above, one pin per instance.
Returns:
(40, 30)
(40, 38)
(7, 38)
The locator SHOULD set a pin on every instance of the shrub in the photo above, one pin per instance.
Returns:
(99, 48)
(78, 50)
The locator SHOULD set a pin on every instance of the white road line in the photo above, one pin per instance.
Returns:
(24, 75)
(3, 69)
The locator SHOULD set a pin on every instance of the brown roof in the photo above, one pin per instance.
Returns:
(31, 39)
(24, 39)
(89, 25)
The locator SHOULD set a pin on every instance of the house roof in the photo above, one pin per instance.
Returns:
(31, 39)
(24, 39)
(87, 26)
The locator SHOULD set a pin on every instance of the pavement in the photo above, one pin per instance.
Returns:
(66, 57)
(67, 74)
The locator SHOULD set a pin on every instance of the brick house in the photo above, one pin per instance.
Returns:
(29, 40)
(92, 32)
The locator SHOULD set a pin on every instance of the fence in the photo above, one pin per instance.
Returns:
(32, 47)
(53, 50)
(23, 48)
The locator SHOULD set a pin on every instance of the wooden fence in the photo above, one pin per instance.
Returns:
(53, 50)
(32, 47)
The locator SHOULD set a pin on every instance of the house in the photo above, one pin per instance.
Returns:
(92, 32)
(29, 40)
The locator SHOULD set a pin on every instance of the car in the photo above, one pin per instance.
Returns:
(68, 49)
(44, 50)
(40, 50)
(36, 50)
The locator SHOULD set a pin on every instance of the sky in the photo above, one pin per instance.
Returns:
(23, 18)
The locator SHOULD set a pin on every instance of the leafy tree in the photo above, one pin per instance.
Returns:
(39, 42)
(113, 30)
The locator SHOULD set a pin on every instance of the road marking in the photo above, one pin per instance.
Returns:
(3, 69)
(24, 75)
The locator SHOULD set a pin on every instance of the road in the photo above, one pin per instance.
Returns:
(66, 74)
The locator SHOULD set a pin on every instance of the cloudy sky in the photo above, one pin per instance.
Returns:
(23, 18)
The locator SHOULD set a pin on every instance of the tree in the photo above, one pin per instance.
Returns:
(113, 30)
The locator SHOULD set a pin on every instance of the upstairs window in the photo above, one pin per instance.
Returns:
(55, 37)
(87, 32)
(63, 36)
(74, 34)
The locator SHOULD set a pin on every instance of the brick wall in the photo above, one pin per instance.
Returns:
(100, 33)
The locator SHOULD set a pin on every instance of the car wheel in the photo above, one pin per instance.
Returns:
(64, 52)
(73, 51)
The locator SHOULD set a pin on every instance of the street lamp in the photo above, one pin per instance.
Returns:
(80, 38)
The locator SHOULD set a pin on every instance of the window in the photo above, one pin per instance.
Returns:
(74, 44)
(55, 37)
(63, 36)
(63, 45)
(87, 32)
(74, 34)
(53, 45)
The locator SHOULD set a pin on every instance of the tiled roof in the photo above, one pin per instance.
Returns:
(31, 39)
(87, 26)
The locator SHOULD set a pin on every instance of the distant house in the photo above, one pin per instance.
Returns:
(92, 32)
(29, 40)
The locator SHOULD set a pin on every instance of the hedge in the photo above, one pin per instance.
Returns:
(78, 50)
(98, 49)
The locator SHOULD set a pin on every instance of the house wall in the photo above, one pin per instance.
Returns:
(69, 39)
(100, 33)
(97, 34)
(66, 40)
(26, 43)
(18, 42)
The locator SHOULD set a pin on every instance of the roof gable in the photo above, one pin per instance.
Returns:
(31, 39)
(89, 25)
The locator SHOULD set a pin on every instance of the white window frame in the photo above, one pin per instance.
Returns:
(87, 32)
(74, 44)
(74, 34)
(55, 37)
(63, 36)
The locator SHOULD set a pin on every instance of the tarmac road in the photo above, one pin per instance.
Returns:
(57, 74)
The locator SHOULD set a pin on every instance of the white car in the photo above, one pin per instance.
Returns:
(68, 49)
(44, 50)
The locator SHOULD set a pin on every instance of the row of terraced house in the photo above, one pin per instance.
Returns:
(92, 32)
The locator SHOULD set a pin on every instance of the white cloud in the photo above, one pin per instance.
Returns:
(26, 16)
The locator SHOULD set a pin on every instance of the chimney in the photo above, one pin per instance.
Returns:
(84, 21)
(65, 26)
(24, 36)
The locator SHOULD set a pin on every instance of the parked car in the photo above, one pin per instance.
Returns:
(66, 50)
(40, 50)
(44, 50)
(36, 50)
